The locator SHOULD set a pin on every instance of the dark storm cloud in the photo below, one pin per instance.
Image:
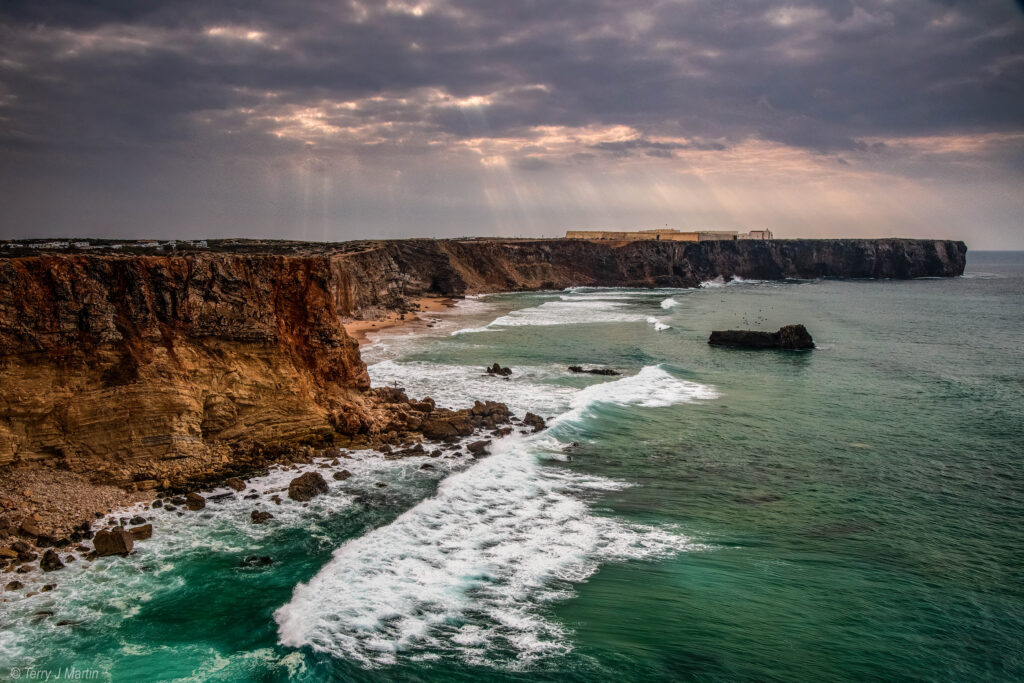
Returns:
(819, 75)
(86, 86)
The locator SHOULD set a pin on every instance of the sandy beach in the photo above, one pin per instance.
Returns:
(360, 328)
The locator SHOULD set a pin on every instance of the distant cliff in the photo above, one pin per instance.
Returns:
(152, 364)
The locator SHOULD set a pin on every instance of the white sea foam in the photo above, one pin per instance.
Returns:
(569, 313)
(114, 589)
(658, 325)
(456, 386)
(465, 573)
(734, 280)
(669, 303)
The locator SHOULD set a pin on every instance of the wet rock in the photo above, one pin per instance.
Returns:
(251, 496)
(342, 475)
(50, 562)
(157, 504)
(48, 587)
(194, 501)
(790, 337)
(27, 556)
(535, 421)
(235, 483)
(178, 500)
(592, 371)
(20, 547)
(498, 371)
(259, 516)
(381, 485)
(257, 561)
(426, 466)
(503, 431)
(138, 519)
(479, 447)
(307, 486)
(115, 542)
(14, 586)
(8, 554)
(141, 533)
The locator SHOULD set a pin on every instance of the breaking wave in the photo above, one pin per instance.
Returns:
(465, 573)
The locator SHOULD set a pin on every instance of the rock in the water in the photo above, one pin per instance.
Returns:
(535, 421)
(141, 533)
(342, 475)
(592, 371)
(117, 541)
(50, 562)
(479, 447)
(258, 561)
(157, 504)
(194, 501)
(307, 486)
(235, 483)
(258, 516)
(793, 337)
(498, 370)
(14, 585)
(138, 519)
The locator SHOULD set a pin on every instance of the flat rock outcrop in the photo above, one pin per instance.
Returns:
(791, 337)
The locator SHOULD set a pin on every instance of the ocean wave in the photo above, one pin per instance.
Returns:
(658, 325)
(456, 386)
(669, 303)
(734, 280)
(465, 573)
(568, 313)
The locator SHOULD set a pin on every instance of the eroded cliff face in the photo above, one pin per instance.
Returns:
(402, 268)
(116, 363)
(146, 368)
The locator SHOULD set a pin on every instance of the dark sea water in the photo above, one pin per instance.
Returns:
(851, 513)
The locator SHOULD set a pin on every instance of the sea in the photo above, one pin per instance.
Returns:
(850, 513)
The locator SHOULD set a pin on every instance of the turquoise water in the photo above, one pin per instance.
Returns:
(849, 513)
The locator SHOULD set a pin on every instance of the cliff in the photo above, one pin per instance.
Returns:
(143, 366)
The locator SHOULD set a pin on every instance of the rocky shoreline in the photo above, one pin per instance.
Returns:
(107, 521)
(142, 374)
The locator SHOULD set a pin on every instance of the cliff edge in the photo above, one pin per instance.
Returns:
(146, 366)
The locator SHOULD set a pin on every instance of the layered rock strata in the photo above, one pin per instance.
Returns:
(150, 368)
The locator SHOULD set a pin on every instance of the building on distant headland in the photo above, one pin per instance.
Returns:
(668, 234)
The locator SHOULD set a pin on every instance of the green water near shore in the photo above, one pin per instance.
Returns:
(851, 513)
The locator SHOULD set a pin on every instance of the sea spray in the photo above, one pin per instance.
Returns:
(465, 573)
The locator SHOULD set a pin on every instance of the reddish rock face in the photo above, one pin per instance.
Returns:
(144, 368)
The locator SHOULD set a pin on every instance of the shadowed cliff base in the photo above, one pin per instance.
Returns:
(159, 366)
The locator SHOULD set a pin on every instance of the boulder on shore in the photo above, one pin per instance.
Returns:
(194, 501)
(141, 533)
(479, 447)
(535, 421)
(117, 541)
(307, 486)
(792, 337)
(51, 561)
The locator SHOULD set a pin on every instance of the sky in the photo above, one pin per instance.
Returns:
(352, 119)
